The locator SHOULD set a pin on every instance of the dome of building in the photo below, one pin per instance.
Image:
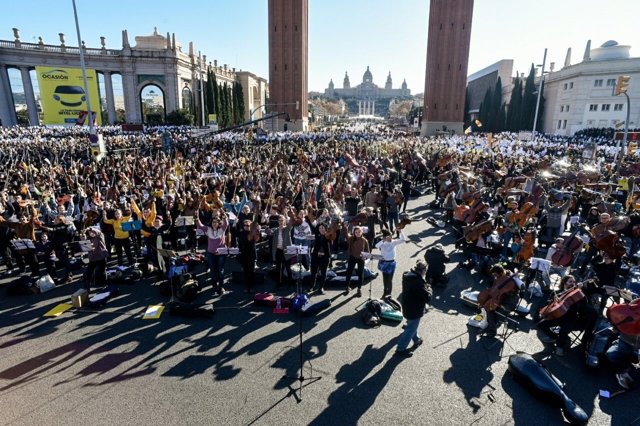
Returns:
(367, 77)
(610, 50)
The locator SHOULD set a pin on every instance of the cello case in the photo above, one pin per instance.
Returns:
(541, 382)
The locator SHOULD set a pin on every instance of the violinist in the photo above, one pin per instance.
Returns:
(625, 350)
(511, 225)
(603, 219)
(507, 299)
(356, 245)
(570, 311)
(557, 210)
(387, 265)
(320, 255)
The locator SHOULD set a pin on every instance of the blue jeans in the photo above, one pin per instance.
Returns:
(410, 333)
(216, 269)
(621, 355)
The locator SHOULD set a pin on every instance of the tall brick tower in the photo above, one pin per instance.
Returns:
(447, 60)
(288, 58)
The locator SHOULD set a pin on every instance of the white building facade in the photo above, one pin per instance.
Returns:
(154, 60)
(580, 96)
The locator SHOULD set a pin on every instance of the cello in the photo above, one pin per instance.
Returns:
(527, 250)
(561, 304)
(570, 246)
(491, 298)
(626, 317)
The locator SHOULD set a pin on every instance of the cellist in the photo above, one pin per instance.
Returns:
(508, 299)
(625, 350)
(574, 313)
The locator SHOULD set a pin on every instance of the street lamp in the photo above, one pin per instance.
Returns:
(535, 118)
(622, 85)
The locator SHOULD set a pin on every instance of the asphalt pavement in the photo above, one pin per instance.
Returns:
(239, 367)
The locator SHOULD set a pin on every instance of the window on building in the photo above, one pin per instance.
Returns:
(617, 107)
(591, 123)
(571, 85)
(567, 108)
(559, 123)
(598, 83)
(565, 86)
(561, 108)
(564, 124)
(606, 107)
(611, 82)
(593, 107)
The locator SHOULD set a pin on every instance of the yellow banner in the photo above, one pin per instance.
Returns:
(63, 97)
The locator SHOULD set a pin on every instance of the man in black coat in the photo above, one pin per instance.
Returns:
(416, 293)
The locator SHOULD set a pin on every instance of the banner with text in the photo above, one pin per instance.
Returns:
(63, 97)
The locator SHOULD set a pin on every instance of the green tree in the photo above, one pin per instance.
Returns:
(180, 117)
(240, 102)
(467, 116)
(483, 113)
(529, 98)
(496, 118)
(515, 106)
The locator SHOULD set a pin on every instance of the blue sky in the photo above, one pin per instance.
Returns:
(344, 35)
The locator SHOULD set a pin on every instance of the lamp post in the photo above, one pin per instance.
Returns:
(622, 85)
(535, 118)
(92, 131)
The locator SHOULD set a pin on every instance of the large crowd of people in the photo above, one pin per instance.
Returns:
(556, 208)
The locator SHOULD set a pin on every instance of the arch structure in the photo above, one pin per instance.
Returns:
(154, 59)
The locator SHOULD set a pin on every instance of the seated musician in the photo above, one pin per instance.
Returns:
(507, 300)
(625, 351)
(574, 314)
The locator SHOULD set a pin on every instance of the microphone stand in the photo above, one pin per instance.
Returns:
(300, 377)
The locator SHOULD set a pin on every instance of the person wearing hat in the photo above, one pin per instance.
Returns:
(416, 294)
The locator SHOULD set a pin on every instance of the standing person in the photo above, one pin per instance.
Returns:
(393, 210)
(24, 229)
(406, 190)
(281, 239)
(416, 293)
(556, 214)
(356, 245)
(320, 256)
(121, 238)
(247, 239)
(215, 240)
(96, 273)
(387, 265)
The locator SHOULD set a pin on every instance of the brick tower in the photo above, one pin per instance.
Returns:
(288, 53)
(447, 60)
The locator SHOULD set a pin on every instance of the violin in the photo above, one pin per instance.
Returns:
(561, 304)
(404, 221)
(570, 247)
(333, 231)
(626, 317)
(491, 298)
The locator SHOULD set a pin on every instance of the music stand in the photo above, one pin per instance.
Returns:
(298, 250)
(183, 222)
(540, 266)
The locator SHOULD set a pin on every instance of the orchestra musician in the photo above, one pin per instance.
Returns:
(570, 312)
(96, 273)
(320, 255)
(356, 245)
(625, 350)
(506, 298)
(215, 240)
